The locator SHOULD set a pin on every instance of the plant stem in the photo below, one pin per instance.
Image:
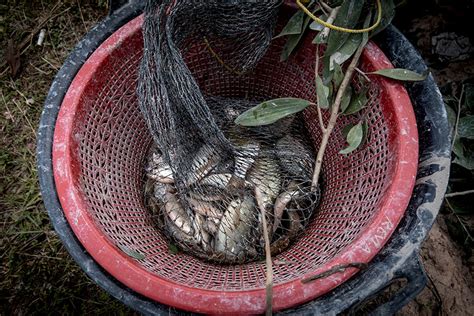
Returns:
(458, 114)
(334, 114)
(268, 254)
(331, 18)
(316, 71)
(459, 193)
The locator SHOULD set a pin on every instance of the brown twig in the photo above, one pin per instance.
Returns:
(334, 114)
(316, 70)
(335, 269)
(331, 18)
(459, 193)
(268, 255)
(363, 74)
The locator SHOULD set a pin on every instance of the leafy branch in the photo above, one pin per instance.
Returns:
(343, 42)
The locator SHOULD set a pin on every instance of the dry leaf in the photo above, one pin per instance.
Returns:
(13, 58)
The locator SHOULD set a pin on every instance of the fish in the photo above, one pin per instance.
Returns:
(201, 236)
(211, 225)
(281, 203)
(204, 162)
(295, 157)
(211, 194)
(296, 225)
(176, 212)
(219, 181)
(245, 156)
(279, 245)
(204, 208)
(232, 237)
(159, 170)
(266, 175)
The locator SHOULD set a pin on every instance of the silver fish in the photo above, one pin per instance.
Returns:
(245, 156)
(281, 203)
(176, 213)
(236, 224)
(204, 208)
(295, 157)
(205, 160)
(296, 225)
(201, 236)
(159, 170)
(220, 180)
(211, 194)
(265, 175)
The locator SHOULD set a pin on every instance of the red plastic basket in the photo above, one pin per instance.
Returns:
(99, 149)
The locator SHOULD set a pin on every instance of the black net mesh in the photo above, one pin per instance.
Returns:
(208, 179)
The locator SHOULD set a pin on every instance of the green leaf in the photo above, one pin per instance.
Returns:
(347, 129)
(173, 249)
(451, 115)
(365, 129)
(348, 16)
(323, 93)
(346, 99)
(388, 12)
(458, 148)
(269, 112)
(465, 161)
(400, 74)
(357, 103)
(469, 96)
(354, 139)
(319, 39)
(338, 75)
(315, 26)
(293, 41)
(346, 50)
(349, 47)
(132, 253)
(294, 25)
(466, 127)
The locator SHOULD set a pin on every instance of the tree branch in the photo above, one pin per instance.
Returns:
(334, 114)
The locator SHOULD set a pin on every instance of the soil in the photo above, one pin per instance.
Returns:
(451, 288)
(450, 267)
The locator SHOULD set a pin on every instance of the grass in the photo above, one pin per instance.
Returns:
(37, 275)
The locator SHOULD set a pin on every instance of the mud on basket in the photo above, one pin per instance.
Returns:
(209, 180)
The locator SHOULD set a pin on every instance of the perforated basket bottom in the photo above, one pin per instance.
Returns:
(108, 142)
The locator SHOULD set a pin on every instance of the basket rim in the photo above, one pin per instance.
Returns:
(286, 295)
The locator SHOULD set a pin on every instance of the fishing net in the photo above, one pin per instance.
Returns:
(209, 180)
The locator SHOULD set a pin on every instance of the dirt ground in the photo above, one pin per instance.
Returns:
(449, 265)
(37, 276)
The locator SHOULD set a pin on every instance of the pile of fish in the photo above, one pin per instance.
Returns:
(215, 213)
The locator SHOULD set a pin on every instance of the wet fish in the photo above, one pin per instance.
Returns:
(295, 157)
(204, 208)
(245, 156)
(201, 236)
(236, 224)
(279, 245)
(159, 170)
(296, 225)
(220, 180)
(211, 194)
(205, 160)
(281, 203)
(265, 175)
(176, 212)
